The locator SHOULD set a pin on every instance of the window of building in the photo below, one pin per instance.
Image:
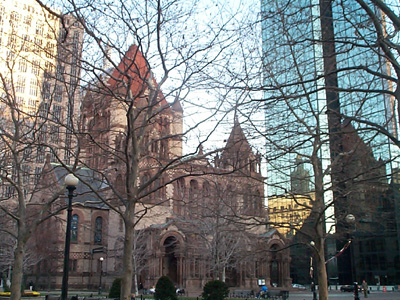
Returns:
(20, 100)
(143, 184)
(12, 41)
(38, 173)
(26, 173)
(22, 65)
(43, 134)
(20, 84)
(46, 86)
(158, 189)
(8, 190)
(39, 28)
(74, 228)
(206, 189)
(54, 134)
(44, 109)
(26, 42)
(2, 15)
(33, 87)
(40, 155)
(60, 72)
(38, 45)
(53, 155)
(73, 265)
(76, 42)
(49, 49)
(193, 190)
(180, 188)
(57, 113)
(14, 18)
(49, 68)
(98, 230)
(58, 93)
(28, 20)
(35, 67)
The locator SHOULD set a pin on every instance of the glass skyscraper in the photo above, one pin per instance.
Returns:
(322, 67)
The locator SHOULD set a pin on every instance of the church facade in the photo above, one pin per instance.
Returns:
(198, 216)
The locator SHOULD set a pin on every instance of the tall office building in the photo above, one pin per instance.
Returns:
(40, 56)
(315, 56)
(323, 68)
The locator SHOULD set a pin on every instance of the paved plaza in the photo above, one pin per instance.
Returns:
(336, 295)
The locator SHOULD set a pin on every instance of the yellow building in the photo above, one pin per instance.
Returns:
(39, 71)
(287, 213)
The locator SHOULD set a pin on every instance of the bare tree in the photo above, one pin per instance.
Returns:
(33, 111)
(223, 244)
(328, 100)
(141, 60)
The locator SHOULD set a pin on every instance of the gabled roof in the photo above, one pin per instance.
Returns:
(83, 193)
(134, 69)
(237, 143)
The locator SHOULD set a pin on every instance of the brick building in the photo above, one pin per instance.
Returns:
(198, 217)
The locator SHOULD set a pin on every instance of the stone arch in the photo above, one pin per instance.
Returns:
(274, 265)
(278, 263)
(172, 260)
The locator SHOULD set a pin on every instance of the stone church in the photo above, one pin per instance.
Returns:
(198, 216)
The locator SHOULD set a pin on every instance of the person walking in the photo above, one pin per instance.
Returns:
(364, 286)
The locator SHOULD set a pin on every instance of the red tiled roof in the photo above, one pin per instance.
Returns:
(133, 66)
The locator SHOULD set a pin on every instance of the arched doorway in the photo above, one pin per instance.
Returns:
(170, 260)
(274, 267)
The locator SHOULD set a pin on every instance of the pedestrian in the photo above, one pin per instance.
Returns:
(364, 286)
(263, 292)
(313, 290)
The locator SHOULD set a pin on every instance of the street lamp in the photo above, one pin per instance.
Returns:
(101, 259)
(70, 182)
(312, 286)
(350, 219)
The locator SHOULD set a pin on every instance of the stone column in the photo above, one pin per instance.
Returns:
(268, 271)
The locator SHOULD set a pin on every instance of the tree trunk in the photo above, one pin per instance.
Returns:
(322, 276)
(16, 281)
(321, 266)
(127, 265)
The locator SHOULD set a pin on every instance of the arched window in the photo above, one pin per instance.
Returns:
(74, 228)
(205, 197)
(180, 188)
(159, 189)
(206, 189)
(193, 190)
(144, 180)
(98, 230)
(179, 196)
(163, 150)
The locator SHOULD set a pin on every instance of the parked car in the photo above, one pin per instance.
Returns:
(298, 286)
(349, 288)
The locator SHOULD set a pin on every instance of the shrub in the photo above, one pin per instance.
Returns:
(115, 291)
(165, 289)
(215, 290)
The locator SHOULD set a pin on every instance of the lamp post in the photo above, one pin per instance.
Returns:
(101, 259)
(312, 286)
(350, 219)
(70, 182)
